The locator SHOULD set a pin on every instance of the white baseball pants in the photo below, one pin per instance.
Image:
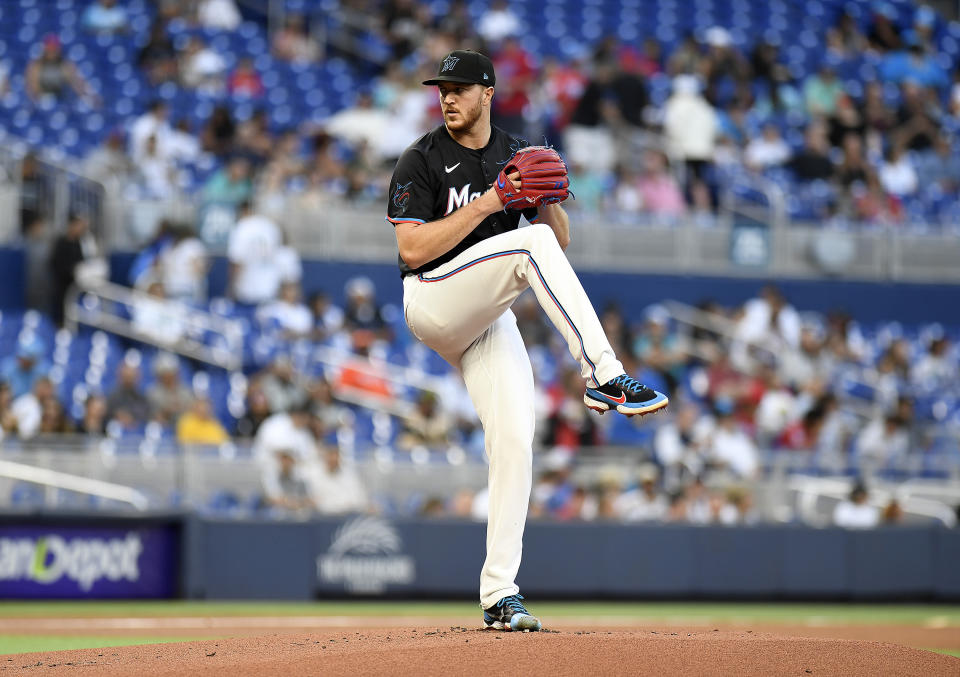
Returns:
(462, 310)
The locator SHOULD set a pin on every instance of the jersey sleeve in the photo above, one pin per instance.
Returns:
(531, 214)
(411, 195)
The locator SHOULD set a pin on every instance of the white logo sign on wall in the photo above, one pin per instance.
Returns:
(365, 556)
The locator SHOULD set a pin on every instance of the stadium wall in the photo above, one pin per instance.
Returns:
(366, 556)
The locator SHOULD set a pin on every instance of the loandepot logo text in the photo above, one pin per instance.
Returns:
(49, 559)
(365, 556)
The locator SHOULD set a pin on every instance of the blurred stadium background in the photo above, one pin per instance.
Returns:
(205, 365)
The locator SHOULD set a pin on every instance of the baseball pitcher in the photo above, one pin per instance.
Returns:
(456, 198)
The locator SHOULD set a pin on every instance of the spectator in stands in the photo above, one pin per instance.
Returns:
(498, 22)
(935, 367)
(198, 425)
(127, 404)
(36, 193)
(51, 74)
(770, 321)
(327, 317)
(770, 71)
(883, 34)
(822, 92)
(257, 411)
(849, 35)
(940, 166)
(219, 132)
(855, 512)
(259, 263)
(361, 311)
(427, 425)
(659, 190)
(157, 172)
(230, 185)
(74, 246)
(588, 138)
(516, 71)
(287, 314)
(183, 147)
(104, 16)
(737, 508)
(897, 174)
(803, 435)
(159, 320)
(328, 414)
(883, 440)
(282, 386)
(872, 204)
(690, 124)
(202, 68)
(53, 418)
(284, 433)
(813, 161)
(730, 447)
(767, 150)
(108, 163)
(245, 81)
(95, 418)
(722, 62)
(645, 503)
(182, 267)
(917, 126)
(254, 137)
(953, 105)
(153, 123)
(685, 58)
(158, 58)
(169, 398)
(853, 167)
(27, 409)
(285, 484)
(22, 369)
(570, 426)
(336, 488)
(218, 15)
(292, 43)
(678, 447)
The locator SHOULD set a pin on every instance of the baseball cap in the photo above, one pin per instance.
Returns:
(467, 67)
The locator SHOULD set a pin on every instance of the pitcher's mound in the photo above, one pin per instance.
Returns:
(466, 651)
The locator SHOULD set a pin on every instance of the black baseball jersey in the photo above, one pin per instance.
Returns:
(436, 176)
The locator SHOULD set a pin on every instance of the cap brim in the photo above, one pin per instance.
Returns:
(452, 78)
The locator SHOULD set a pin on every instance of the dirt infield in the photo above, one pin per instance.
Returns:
(458, 650)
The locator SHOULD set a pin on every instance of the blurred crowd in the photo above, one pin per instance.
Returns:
(643, 130)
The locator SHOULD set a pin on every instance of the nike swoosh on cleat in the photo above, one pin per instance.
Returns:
(618, 400)
(450, 169)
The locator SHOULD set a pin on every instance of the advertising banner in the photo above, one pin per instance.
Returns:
(52, 561)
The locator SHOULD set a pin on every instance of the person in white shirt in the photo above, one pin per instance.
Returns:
(498, 22)
(288, 313)
(153, 123)
(767, 150)
(897, 173)
(104, 16)
(882, 440)
(730, 446)
(286, 431)
(768, 321)
(690, 122)
(159, 175)
(219, 15)
(336, 488)
(855, 512)
(28, 408)
(157, 318)
(203, 69)
(258, 261)
(643, 504)
(183, 267)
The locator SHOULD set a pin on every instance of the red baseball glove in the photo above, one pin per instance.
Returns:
(543, 179)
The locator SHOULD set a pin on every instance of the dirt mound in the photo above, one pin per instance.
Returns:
(465, 651)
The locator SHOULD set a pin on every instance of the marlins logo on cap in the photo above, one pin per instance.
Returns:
(449, 63)
(466, 67)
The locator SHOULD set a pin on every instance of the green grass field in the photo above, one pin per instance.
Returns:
(939, 616)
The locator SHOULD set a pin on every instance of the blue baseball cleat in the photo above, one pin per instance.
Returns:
(626, 395)
(510, 614)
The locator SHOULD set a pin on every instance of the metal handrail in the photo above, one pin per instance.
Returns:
(195, 322)
(81, 485)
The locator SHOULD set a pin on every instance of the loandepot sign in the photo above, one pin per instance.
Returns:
(49, 559)
(365, 557)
